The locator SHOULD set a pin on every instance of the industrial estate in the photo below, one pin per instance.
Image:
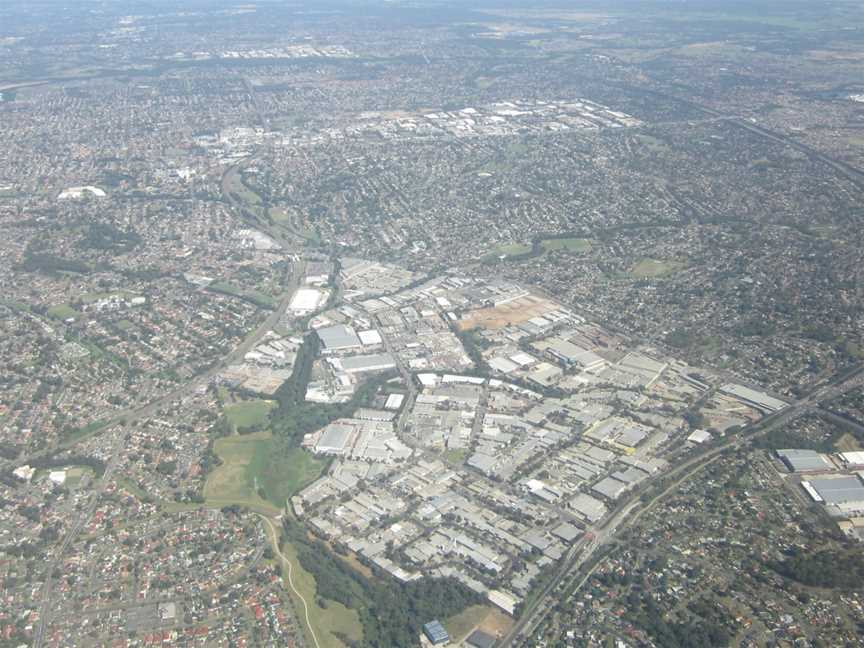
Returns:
(391, 324)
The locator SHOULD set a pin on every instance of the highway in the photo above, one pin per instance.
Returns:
(629, 511)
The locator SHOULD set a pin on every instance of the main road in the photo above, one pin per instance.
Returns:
(145, 411)
(629, 512)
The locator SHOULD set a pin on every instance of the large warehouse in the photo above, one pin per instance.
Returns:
(339, 338)
(801, 461)
(846, 493)
(364, 363)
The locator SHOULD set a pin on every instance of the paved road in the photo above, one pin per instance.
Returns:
(624, 516)
(73, 532)
(408, 403)
(144, 412)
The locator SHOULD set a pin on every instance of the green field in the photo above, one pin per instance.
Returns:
(249, 414)
(283, 218)
(234, 482)
(74, 475)
(569, 244)
(650, 268)
(86, 430)
(63, 312)
(280, 215)
(329, 622)
(133, 488)
(286, 473)
(234, 184)
(455, 456)
(254, 296)
(254, 463)
(543, 246)
(513, 249)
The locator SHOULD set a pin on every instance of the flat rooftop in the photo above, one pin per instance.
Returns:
(339, 337)
(839, 490)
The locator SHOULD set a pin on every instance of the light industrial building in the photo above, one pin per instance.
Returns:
(306, 300)
(801, 461)
(757, 399)
(370, 337)
(334, 439)
(436, 633)
(339, 338)
(364, 363)
(845, 493)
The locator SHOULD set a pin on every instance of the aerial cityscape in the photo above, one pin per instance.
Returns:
(403, 323)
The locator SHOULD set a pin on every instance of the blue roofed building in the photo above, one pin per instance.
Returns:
(436, 633)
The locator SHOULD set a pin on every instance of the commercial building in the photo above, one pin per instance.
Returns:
(370, 337)
(699, 436)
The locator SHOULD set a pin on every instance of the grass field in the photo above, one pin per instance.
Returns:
(248, 414)
(651, 268)
(63, 312)
(74, 475)
(250, 464)
(569, 244)
(255, 296)
(90, 428)
(461, 625)
(285, 474)
(133, 488)
(328, 622)
(455, 456)
(234, 184)
(236, 480)
(280, 215)
(513, 249)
